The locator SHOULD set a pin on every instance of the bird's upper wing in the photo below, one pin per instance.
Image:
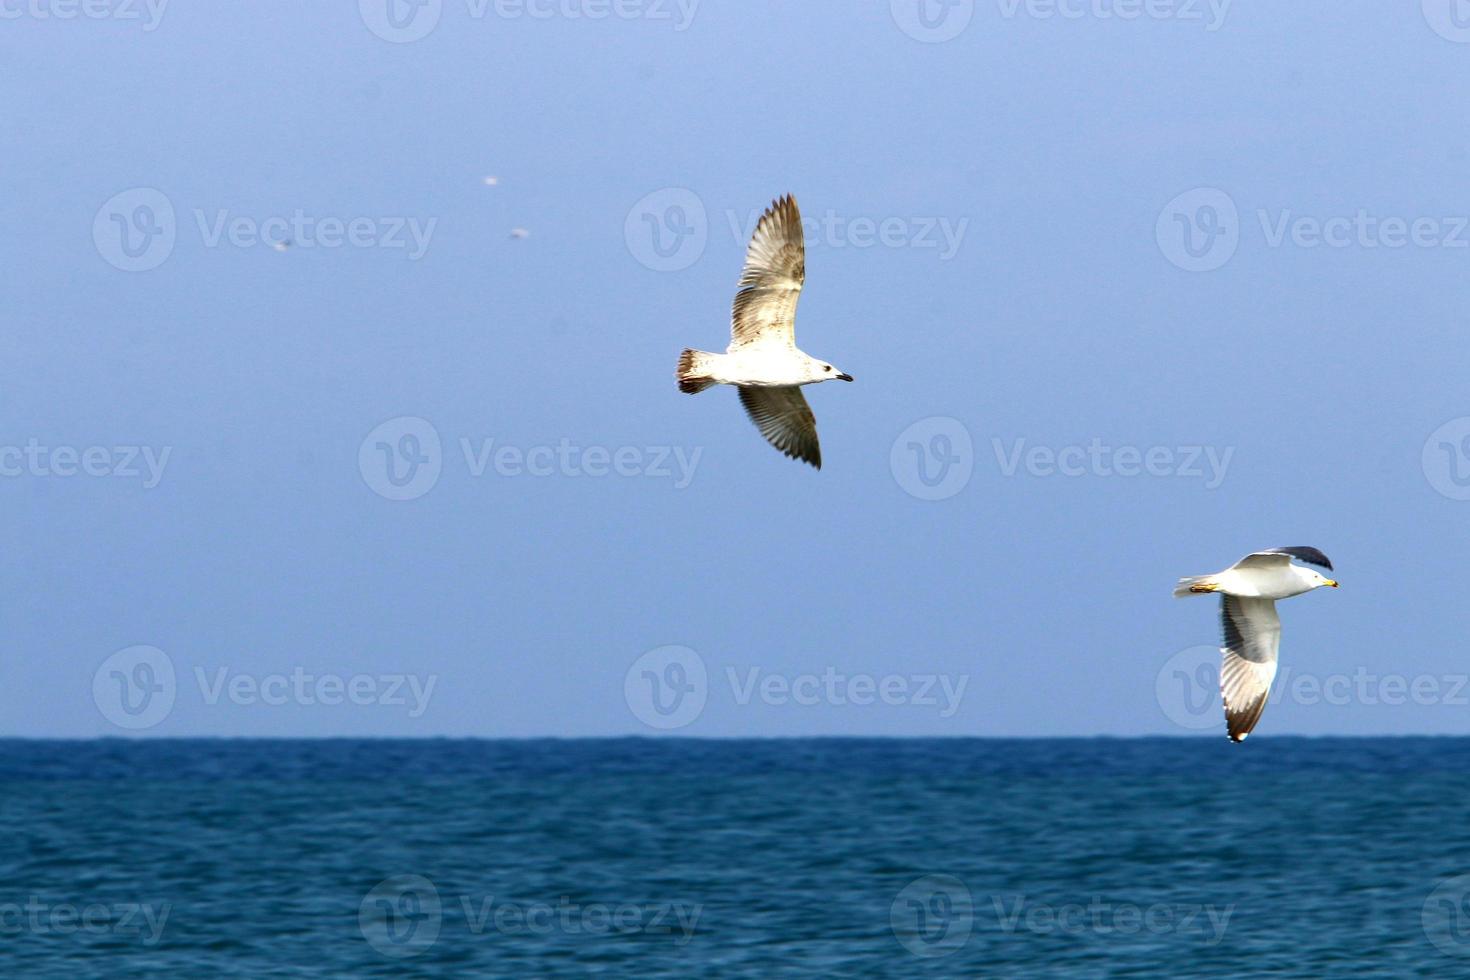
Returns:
(1252, 638)
(1283, 556)
(785, 420)
(770, 283)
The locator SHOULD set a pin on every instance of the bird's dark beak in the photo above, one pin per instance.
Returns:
(844, 377)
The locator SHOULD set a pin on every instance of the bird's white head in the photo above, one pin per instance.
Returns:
(1318, 579)
(822, 371)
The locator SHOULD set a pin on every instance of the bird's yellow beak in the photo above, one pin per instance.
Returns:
(1332, 582)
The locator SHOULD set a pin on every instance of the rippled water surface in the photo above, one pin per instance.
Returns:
(682, 858)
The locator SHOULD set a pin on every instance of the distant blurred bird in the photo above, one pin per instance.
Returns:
(1250, 589)
(282, 245)
(491, 181)
(762, 360)
(519, 233)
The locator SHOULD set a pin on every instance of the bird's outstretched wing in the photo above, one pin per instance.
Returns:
(770, 283)
(1252, 639)
(1283, 556)
(784, 419)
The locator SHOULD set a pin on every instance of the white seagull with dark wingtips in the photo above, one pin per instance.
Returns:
(762, 360)
(1250, 589)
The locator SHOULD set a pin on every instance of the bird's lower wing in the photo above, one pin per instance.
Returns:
(1252, 639)
(784, 418)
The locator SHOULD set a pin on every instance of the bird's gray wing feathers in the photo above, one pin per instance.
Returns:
(1252, 639)
(1283, 556)
(784, 419)
(770, 283)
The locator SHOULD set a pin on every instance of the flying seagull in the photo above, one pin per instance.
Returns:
(1250, 589)
(762, 361)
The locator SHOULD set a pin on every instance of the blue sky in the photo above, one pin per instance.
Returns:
(995, 252)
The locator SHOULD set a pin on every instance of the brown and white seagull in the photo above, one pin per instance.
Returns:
(763, 361)
(1250, 589)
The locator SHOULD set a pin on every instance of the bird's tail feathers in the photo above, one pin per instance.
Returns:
(1192, 585)
(694, 371)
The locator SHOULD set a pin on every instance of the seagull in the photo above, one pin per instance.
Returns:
(762, 361)
(1250, 589)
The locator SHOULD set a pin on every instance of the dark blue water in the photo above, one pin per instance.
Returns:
(683, 858)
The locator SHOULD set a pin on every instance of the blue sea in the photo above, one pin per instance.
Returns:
(704, 858)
